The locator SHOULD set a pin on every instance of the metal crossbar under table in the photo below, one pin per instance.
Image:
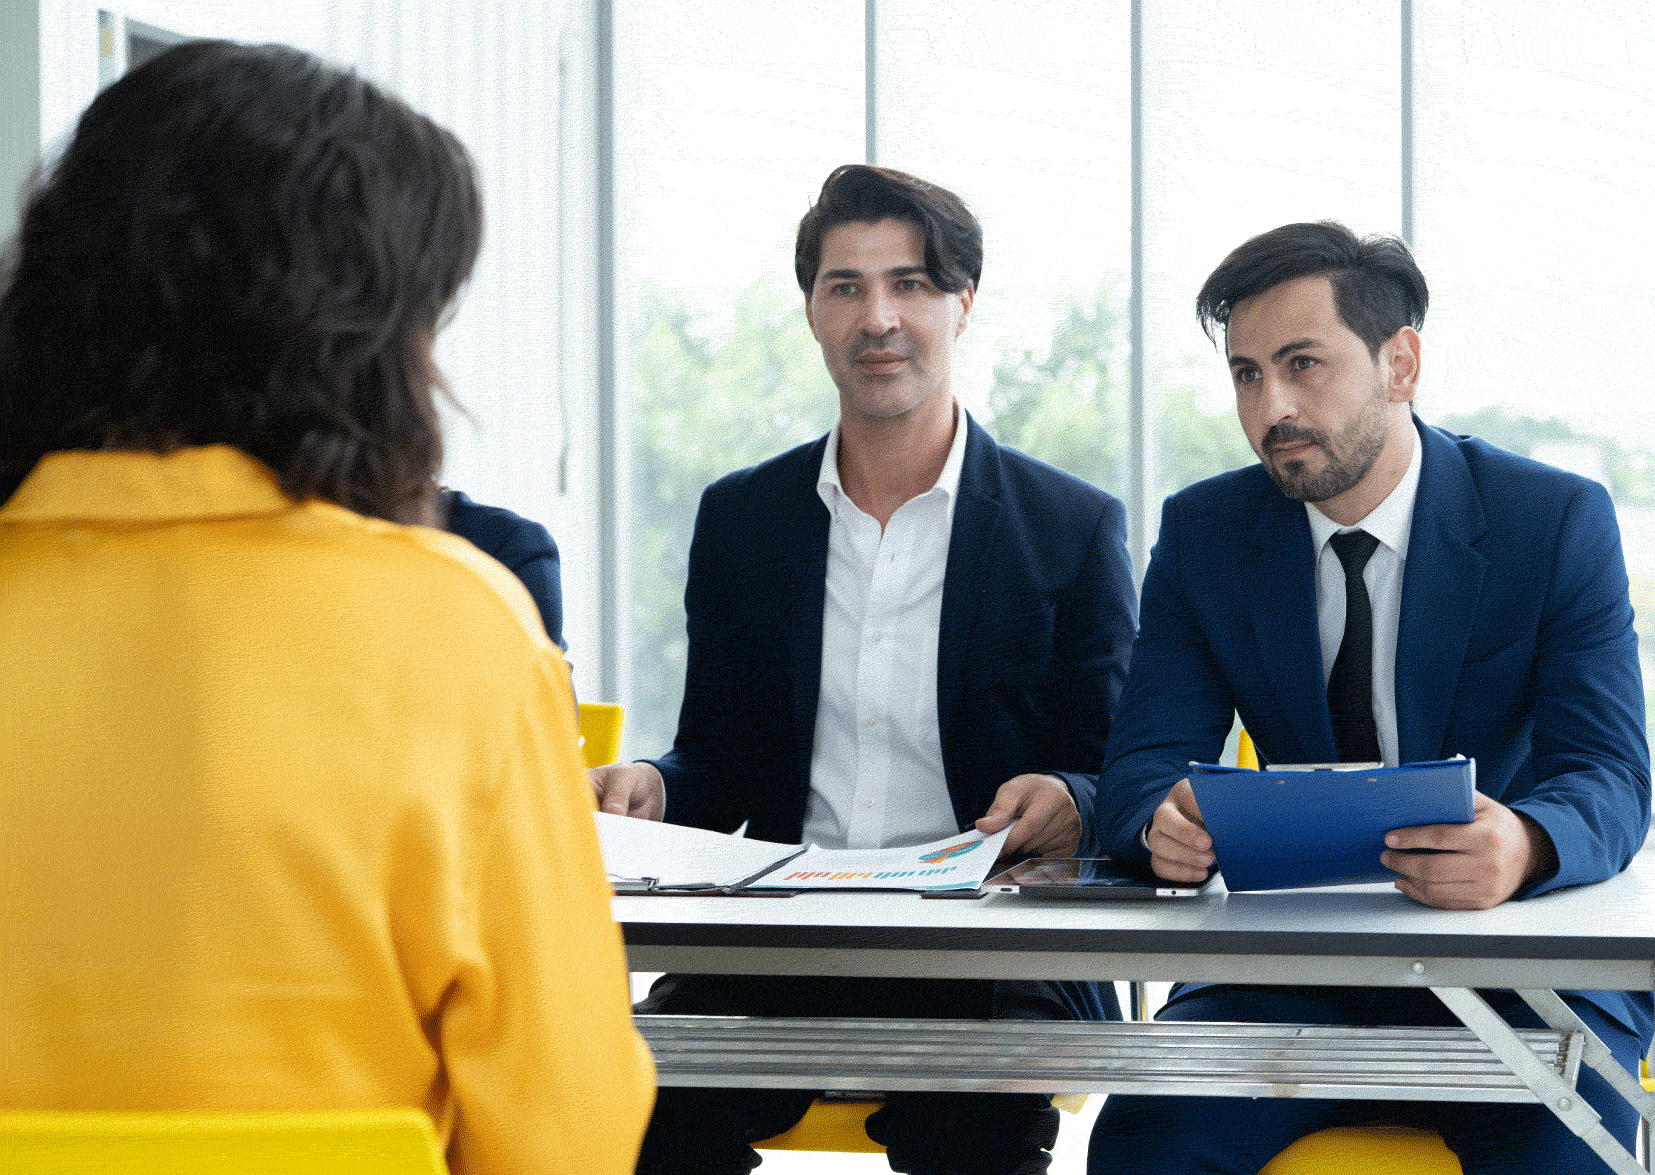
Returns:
(1022, 1056)
(1510, 1046)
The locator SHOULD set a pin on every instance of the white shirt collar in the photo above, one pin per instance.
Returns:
(829, 486)
(1389, 522)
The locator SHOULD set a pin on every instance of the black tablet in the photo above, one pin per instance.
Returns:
(1089, 879)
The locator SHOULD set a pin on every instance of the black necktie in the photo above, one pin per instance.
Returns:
(1350, 685)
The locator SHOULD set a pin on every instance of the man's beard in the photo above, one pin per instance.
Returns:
(1348, 459)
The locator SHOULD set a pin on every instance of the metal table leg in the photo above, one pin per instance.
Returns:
(1559, 1015)
(1556, 1094)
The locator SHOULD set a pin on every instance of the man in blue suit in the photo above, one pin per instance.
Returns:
(1377, 589)
(896, 632)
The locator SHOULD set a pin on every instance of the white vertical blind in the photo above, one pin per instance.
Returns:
(489, 71)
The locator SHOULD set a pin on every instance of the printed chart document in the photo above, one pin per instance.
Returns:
(645, 856)
(640, 855)
(955, 862)
(1291, 826)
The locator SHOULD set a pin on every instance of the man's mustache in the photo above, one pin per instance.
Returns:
(1281, 435)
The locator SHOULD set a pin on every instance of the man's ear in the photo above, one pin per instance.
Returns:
(1399, 362)
(810, 318)
(967, 296)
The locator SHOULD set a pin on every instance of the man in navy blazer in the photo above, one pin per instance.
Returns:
(896, 632)
(1036, 627)
(525, 547)
(1487, 615)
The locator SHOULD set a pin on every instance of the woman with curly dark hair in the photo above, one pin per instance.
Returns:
(294, 815)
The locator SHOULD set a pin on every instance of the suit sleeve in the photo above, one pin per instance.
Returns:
(523, 545)
(1175, 708)
(536, 563)
(1092, 650)
(1590, 764)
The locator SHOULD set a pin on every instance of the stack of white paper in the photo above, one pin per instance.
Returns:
(644, 854)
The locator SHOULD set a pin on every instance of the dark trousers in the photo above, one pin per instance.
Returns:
(1220, 1135)
(711, 1131)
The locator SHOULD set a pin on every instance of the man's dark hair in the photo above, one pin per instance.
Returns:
(1377, 288)
(242, 245)
(858, 193)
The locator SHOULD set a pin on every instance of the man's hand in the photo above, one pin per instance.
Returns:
(1482, 863)
(1048, 824)
(629, 789)
(1179, 847)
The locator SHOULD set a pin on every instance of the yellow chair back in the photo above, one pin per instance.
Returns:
(190, 1142)
(600, 732)
(1366, 1150)
(829, 1126)
(1356, 1150)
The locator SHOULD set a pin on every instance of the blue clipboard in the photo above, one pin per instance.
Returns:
(1286, 828)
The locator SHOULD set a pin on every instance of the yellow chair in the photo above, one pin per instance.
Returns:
(1366, 1150)
(1357, 1150)
(190, 1142)
(600, 732)
(840, 1125)
(829, 1125)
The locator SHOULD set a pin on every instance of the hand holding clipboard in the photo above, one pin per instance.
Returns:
(1322, 824)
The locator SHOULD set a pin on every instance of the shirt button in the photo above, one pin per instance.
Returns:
(873, 722)
(877, 637)
(867, 804)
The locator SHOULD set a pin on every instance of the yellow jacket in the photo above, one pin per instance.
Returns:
(292, 816)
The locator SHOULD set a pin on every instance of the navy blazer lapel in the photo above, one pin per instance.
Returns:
(802, 548)
(977, 520)
(1281, 586)
(1442, 586)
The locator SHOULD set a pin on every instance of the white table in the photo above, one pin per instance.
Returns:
(1600, 936)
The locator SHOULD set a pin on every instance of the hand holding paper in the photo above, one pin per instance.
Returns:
(629, 789)
(1048, 824)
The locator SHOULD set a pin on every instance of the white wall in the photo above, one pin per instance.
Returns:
(489, 71)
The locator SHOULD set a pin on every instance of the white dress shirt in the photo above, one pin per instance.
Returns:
(876, 774)
(1390, 523)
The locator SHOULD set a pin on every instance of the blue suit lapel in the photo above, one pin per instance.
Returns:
(978, 516)
(1441, 589)
(1281, 585)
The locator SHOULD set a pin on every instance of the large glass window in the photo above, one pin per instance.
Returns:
(1520, 152)
(724, 130)
(1254, 117)
(1025, 112)
(1536, 161)
(1095, 140)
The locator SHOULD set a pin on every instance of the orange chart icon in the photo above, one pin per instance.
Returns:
(951, 851)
